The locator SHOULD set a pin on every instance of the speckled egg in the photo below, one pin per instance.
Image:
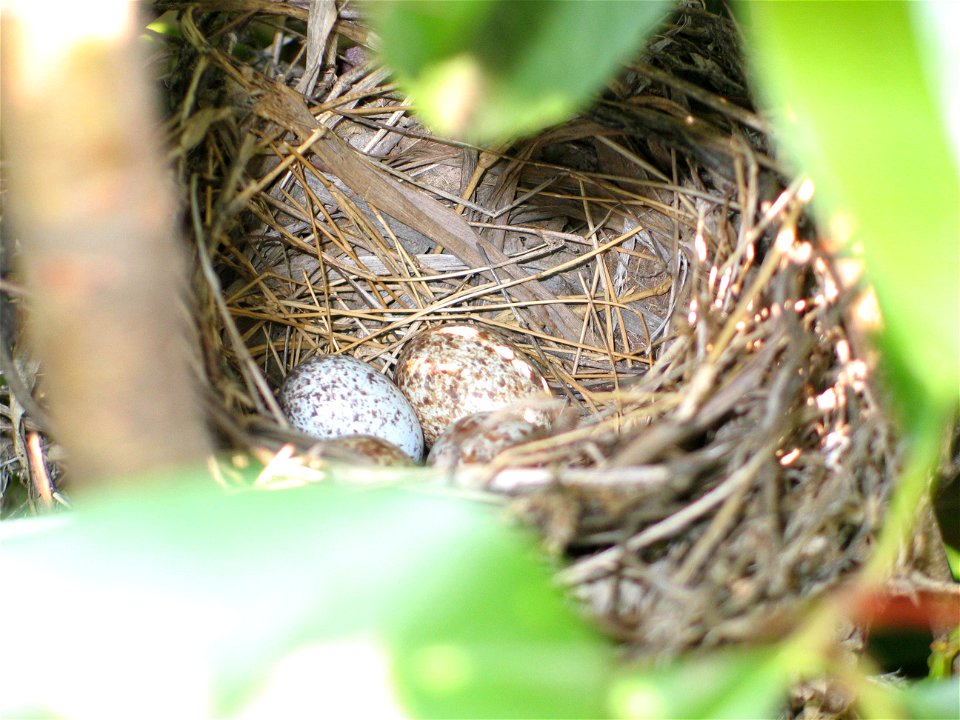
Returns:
(453, 371)
(335, 395)
(373, 450)
(479, 438)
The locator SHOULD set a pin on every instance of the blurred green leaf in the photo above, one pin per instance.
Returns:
(298, 602)
(953, 557)
(489, 70)
(929, 699)
(167, 25)
(943, 652)
(742, 683)
(856, 109)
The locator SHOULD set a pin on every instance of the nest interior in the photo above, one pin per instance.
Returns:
(721, 457)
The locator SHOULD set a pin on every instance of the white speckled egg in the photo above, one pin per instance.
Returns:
(456, 370)
(479, 438)
(335, 395)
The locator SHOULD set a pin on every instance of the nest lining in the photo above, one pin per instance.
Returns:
(722, 458)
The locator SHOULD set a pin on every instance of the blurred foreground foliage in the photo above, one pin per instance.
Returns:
(184, 602)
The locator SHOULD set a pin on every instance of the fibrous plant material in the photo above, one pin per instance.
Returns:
(720, 459)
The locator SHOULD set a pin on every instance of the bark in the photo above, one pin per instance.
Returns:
(93, 212)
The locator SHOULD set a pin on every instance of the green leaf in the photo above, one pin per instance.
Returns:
(930, 699)
(857, 109)
(743, 683)
(320, 600)
(492, 69)
(953, 558)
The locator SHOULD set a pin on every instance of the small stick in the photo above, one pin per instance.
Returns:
(38, 470)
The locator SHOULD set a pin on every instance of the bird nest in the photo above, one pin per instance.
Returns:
(719, 457)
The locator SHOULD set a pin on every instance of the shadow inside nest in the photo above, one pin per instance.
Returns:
(726, 459)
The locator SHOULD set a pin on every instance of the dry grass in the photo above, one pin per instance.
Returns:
(721, 459)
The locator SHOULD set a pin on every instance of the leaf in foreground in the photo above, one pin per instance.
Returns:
(858, 112)
(321, 599)
(489, 70)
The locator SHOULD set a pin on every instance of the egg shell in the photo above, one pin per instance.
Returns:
(376, 451)
(479, 438)
(453, 371)
(336, 395)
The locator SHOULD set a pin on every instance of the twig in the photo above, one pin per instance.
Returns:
(602, 563)
(38, 470)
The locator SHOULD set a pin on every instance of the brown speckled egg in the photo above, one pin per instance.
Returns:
(456, 370)
(479, 438)
(335, 395)
(374, 450)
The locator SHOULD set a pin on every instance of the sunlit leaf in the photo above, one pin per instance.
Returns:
(315, 601)
(492, 69)
(931, 699)
(859, 112)
(746, 683)
(953, 557)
